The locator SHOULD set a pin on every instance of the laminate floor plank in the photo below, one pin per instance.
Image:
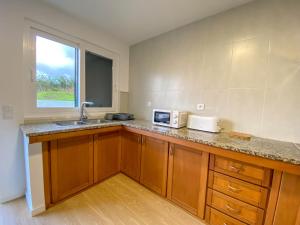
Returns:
(116, 201)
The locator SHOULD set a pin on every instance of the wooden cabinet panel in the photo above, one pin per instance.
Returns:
(288, 204)
(71, 166)
(241, 170)
(131, 155)
(154, 164)
(186, 177)
(241, 190)
(273, 196)
(107, 155)
(215, 217)
(235, 208)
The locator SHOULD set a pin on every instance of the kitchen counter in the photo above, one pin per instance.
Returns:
(266, 148)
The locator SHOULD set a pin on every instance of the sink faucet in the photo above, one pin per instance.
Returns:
(83, 116)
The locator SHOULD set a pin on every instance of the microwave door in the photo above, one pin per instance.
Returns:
(162, 117)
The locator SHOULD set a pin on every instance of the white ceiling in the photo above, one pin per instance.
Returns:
(135, 20)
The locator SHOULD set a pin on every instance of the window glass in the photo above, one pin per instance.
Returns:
(56, 74)
(98, 80)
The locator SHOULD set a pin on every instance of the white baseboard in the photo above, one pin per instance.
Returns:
(10, 198)
(38, 210)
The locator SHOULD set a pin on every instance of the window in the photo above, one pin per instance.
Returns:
(56, 74)
(61, 71)
(98, 80)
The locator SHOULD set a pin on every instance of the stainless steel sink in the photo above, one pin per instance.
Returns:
(70, 123)
(78, 122)
(95, 121)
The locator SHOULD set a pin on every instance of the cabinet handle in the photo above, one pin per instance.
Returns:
(233, 189)
(234, 168)
(142, 140)
(139, 139)
(232, 210)
(171, 150)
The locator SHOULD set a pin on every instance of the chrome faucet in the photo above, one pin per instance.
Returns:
(83, 116)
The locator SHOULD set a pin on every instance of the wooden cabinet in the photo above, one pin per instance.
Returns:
(131, 155)
(107, 155)
(154, 164)
(288, 203)
(226, 190)
(187, 177)
(71, 166)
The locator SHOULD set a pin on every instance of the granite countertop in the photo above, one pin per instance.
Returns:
(267, 148)
(37, 129)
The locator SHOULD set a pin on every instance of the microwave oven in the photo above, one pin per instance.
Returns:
(169, 118)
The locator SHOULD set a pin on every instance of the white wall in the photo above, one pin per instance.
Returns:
(12, 14)
(244, 64)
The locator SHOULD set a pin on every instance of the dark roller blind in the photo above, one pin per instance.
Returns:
(98, 80)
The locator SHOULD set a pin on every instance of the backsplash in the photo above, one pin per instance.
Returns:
(243, 64)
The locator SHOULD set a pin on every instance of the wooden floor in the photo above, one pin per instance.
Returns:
(118, 200)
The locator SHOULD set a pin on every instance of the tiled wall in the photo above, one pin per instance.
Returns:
(244, 64)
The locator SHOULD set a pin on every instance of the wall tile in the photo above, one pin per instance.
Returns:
(216, 67)
(243, 64)
(281, 115)
(244, 108)
(249, 63)
(252, 20)
(215, 102)
(283, 73)
(124, 101)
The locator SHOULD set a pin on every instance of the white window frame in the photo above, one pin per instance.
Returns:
(31, 111)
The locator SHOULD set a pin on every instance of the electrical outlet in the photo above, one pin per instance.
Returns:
(200, 106)
(149, 104)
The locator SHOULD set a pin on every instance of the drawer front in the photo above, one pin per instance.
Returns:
(249, 193)
(235, 208)
(215, 217)
(241, 170)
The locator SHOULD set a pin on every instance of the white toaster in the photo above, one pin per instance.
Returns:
(204, 123)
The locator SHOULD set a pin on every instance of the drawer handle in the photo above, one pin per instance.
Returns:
(232, 210)
(233, 189)
(235, 169)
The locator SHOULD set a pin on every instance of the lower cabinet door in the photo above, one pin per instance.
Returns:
(187, 178)
(107, 155)
(131, 155)
(154, 164)
(288, 203)
(71, 166)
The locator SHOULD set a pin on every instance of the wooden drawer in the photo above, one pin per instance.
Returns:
(249, 193)
(235, 208)
(241, 170)
(215, 217)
